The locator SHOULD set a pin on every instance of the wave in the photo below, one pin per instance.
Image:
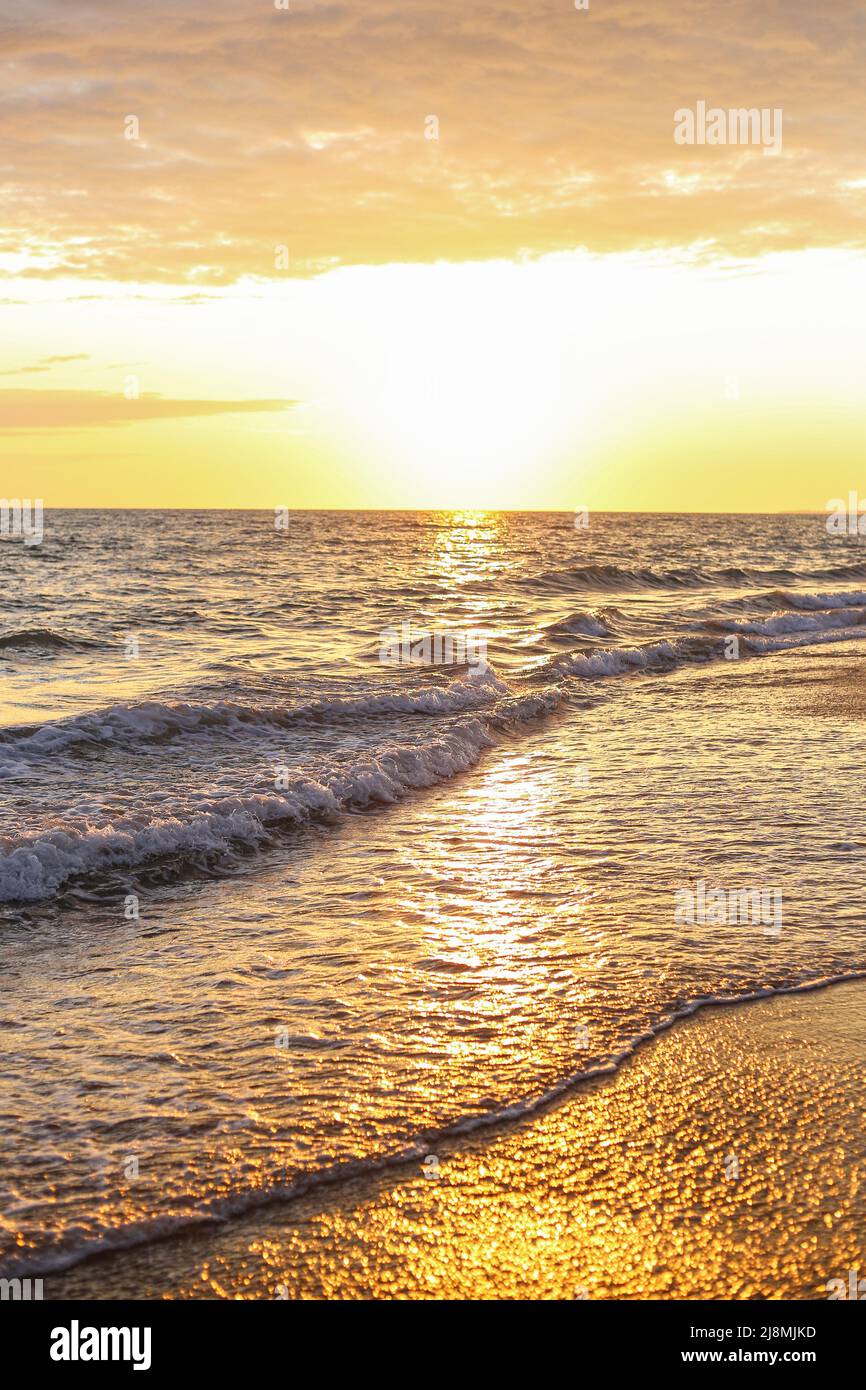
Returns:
(591, 623)
(783, 598)
(208, 834)
(619, 577)
(46, 638)
(608, 621)
(36, 866)
(157, 721)
(618, 661)
(613, 577)
(219, 1209)
(793, 622)
(781, 632)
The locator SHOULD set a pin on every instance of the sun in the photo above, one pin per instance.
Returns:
(465, 406)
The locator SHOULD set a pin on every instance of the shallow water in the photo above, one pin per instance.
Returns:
(379, 901)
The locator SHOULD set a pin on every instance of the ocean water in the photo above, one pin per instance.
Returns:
(273, 909)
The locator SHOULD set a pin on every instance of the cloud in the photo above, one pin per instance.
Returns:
(46, 363)
(37, 410)
(305, 128)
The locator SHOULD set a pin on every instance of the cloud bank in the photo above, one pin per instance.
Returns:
(28, 410)
(261, 128)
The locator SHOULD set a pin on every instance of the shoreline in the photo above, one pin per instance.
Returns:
(420, 1228)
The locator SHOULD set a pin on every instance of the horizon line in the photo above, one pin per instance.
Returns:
(410, 511)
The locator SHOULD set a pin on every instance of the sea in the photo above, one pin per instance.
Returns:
(324, 835)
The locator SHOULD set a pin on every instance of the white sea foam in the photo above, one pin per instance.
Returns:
(777, 633)
(154, 719)
(840, 615)
(853, 599)
(35, 866)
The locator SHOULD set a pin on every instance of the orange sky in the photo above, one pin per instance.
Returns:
(552, 304)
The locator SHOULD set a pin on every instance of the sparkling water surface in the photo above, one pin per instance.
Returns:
(375, 902)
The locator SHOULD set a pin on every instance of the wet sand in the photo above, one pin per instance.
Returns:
(726, 1159)
(839, 694)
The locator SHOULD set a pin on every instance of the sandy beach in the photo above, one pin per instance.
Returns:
(725, 1160)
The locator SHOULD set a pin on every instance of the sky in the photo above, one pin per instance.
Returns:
(410, 255)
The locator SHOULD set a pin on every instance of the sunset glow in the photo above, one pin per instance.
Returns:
(443, 295)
